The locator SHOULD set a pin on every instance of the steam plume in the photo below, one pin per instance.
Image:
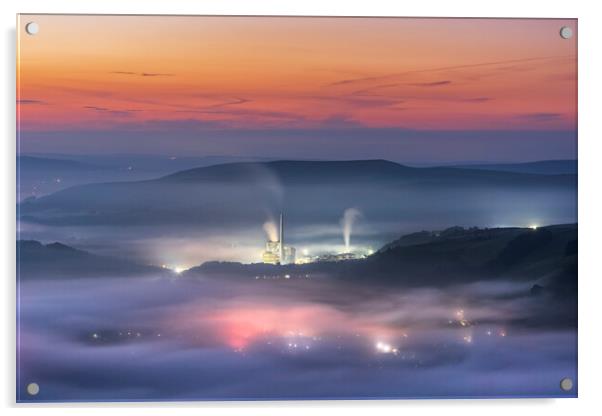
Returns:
(271, 230)
(349, 217)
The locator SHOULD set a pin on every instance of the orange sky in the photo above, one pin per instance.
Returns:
(85, 72)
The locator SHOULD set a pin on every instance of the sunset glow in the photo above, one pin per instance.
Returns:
(266, 72)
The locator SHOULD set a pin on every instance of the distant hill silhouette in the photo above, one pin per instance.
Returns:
(292, 171)
(56, 260)
(544, 167)
(306, 190)
(30, 164)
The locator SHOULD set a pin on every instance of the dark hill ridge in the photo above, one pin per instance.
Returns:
(510, 253)
(29, 164)
(453, 233)
(317, 191)
(453, 256)
(56, 260)
(543, 167)
(292, 171)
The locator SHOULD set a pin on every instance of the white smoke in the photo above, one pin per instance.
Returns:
(271, 229)
(350, 215)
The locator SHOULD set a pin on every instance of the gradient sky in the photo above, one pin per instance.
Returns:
(415, 90)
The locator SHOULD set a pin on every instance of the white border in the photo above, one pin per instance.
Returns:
(590, 196)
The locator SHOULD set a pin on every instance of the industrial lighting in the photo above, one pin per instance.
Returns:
(385, 348)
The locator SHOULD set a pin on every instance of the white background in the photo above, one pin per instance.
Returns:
(590, 209)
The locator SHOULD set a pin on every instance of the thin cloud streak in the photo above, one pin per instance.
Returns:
(142, 74)
(431, 84)
(444, 68)
(27, 102)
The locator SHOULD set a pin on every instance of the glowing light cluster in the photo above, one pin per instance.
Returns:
(298, 340)
(385, 348)
(176, 269)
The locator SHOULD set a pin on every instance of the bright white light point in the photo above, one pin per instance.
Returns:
(385, 348)
(305, 252)
(179, 269)
(533, 227)
(287, 276)
(95, 335)
(468, 339)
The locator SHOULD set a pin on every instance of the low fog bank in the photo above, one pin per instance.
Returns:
(174, 338)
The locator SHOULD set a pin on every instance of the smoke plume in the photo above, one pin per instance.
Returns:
(271, 230)
(350, 215)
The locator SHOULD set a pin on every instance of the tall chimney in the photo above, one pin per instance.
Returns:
(281, 238)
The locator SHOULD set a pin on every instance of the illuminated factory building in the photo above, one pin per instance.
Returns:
(276, 252)
(271, 254)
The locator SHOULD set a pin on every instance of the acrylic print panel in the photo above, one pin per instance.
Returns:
(267, 208)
